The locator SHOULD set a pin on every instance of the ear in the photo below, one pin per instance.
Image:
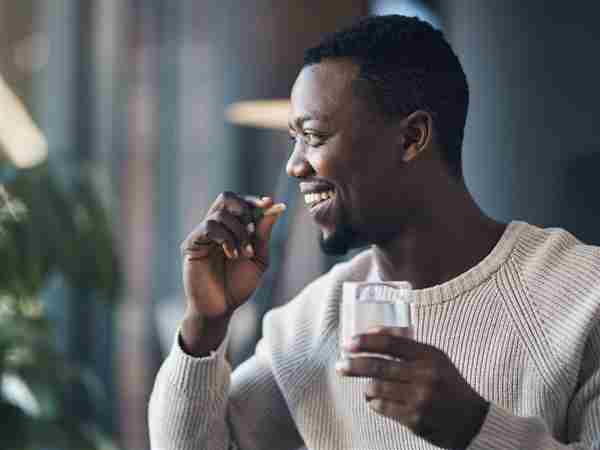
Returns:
(417, 132)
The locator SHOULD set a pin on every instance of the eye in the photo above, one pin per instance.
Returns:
(310, 138)
(313, 139)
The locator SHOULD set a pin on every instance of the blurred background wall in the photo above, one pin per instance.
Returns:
(531, 149)
(138, 89)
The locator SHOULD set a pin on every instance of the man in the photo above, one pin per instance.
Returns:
(506, 352)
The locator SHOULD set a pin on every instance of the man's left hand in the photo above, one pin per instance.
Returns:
(422, 389)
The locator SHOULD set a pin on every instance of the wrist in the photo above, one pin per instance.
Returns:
(473, 425)
(200, 335)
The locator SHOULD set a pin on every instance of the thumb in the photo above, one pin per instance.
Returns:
(265, 225)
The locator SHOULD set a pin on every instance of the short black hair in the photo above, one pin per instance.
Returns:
(408, 65)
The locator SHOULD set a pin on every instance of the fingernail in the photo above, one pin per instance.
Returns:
(375, 330)
(249, 250)
(224, 247)
(275, 209)
(251, 228)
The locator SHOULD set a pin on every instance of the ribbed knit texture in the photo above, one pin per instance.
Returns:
(522, 327)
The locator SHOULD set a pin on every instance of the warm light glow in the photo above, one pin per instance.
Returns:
(20, 138)
(272, 114)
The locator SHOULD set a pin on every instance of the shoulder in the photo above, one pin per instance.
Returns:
(314, 312)
(561, 273)
(555, 256)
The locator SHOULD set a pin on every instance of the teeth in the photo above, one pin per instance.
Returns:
(317, 197)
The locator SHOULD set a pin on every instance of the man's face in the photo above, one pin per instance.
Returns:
(346, 158)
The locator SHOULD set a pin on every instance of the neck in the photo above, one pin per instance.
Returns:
(454, 236)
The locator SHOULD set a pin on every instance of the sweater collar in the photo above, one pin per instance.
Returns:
(469, 279)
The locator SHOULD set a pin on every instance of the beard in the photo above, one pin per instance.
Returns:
(339, 242)
(343, 239)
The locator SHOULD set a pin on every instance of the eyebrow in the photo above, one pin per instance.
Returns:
(305, 118)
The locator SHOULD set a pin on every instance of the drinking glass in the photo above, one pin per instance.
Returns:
(366, 305)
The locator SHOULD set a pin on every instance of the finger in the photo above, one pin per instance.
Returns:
(196, 252)
(253, 201)
(403, 413)
(402, 392)
(263, 214)
(259, 202)
(391, 331)
(199, 245)
(379, 368)
(268, 215)
(218, 233)
(257, 207)
(388, 390)
(235, 204)
(267, 219)
(237, 229)
(388, 408)
(196, 244)
(413, 393)
(388, 344)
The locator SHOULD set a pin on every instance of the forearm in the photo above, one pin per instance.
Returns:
(189, 401)
(198, 404)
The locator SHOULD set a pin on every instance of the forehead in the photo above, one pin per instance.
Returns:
(322, 90)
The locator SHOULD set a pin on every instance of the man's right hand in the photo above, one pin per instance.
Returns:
(224, 259)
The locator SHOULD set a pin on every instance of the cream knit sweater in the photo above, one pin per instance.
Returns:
(522, 327)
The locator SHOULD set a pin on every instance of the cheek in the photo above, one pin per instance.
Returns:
(318, 163)
(328, 164)
(375, 186)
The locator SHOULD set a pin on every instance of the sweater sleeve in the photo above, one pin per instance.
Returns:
(502, 430)
(198, 404)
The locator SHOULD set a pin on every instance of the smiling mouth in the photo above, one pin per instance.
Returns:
(315, 198)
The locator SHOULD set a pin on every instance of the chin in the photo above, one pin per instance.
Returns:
(340, 241)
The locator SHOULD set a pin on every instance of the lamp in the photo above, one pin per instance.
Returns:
(21, 141)
(271, 114)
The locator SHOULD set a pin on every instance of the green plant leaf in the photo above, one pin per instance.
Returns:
(49, 227)
(13, 426)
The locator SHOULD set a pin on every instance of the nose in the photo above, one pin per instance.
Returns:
(297, 165)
